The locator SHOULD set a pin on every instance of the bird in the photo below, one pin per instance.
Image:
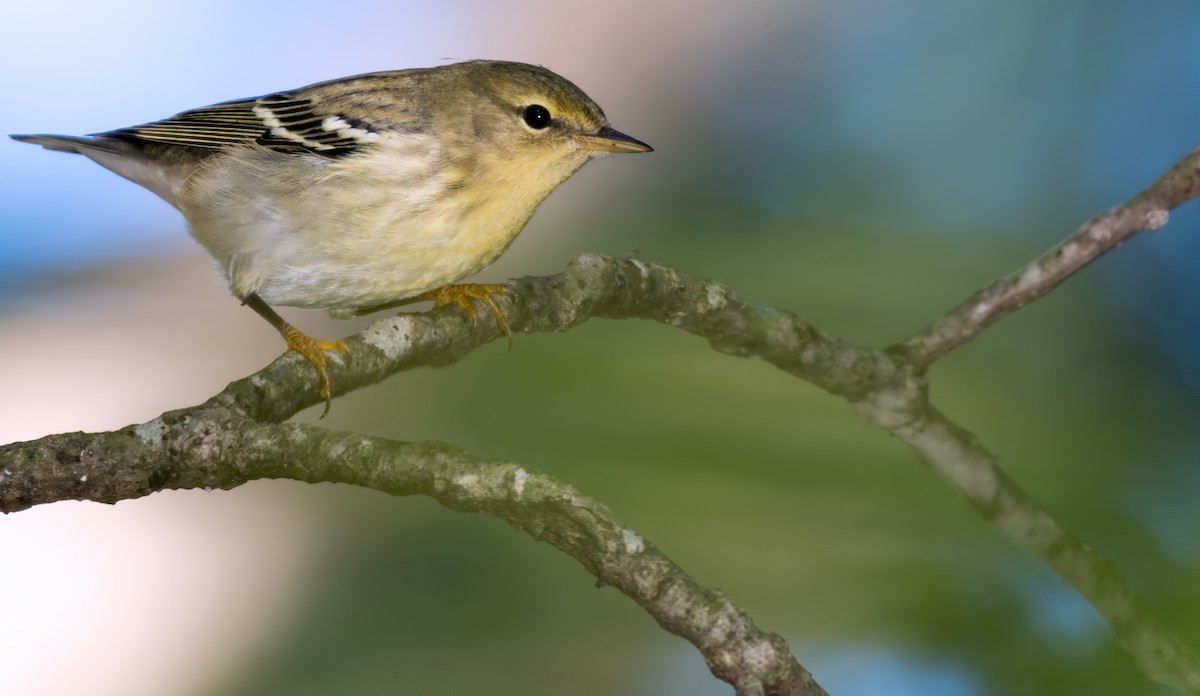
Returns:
(366, 192)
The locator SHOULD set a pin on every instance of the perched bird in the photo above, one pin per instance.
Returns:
(366, 192)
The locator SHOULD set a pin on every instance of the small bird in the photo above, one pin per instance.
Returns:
(366, 192)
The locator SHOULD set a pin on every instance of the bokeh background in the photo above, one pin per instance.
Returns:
(864, 164)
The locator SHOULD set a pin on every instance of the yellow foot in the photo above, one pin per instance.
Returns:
(462, 295)
(313, 350)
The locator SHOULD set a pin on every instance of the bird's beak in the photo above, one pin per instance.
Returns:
(609, 140)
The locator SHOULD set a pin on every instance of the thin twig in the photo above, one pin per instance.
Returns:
(1148, 210)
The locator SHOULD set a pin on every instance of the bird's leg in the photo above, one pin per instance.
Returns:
(312, 349)
(460, 295)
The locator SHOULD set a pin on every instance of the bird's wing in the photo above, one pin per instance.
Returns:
(285, 121)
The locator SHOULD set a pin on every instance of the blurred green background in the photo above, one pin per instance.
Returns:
(864, 164)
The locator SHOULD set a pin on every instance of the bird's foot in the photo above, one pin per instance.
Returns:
(463, 294)
(314, 350)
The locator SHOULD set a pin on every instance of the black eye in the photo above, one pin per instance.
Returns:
(537, 116)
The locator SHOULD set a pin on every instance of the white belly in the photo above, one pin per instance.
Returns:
(340, 234)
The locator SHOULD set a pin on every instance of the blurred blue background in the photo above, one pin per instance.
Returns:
(863, 164)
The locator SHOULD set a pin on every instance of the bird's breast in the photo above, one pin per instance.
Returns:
(308, 231)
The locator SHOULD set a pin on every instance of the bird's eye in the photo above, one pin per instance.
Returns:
(537, 116)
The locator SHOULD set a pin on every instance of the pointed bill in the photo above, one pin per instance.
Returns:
(610, 140)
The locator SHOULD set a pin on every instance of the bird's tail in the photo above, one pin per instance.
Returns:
(124, 158)
(73, 143)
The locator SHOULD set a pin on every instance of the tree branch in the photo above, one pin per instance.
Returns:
(210, 447)
(958, 457)
(1148, 210)
(238, 435)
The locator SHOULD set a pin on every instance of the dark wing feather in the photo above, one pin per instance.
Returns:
(281, 122)
(294, 121)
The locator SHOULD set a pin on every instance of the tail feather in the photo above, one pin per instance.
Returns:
(119, 156)
(73, 143)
